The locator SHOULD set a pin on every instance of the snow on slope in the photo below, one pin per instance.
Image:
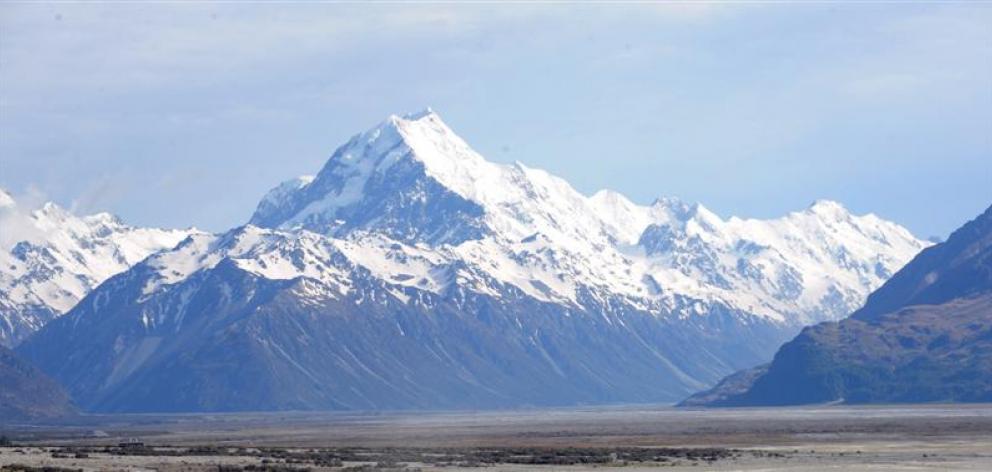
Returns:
(531, 229)
(412, 203)
(410, 264)
(61, 259)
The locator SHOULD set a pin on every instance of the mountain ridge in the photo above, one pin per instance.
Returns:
(411, 273)
(606, 219)
(60, 258)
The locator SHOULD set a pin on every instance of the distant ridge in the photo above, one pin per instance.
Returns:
(924, 336)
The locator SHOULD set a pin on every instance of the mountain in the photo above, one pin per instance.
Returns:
(414, 181)
(60, 259)
(410, 272)
(28, 393)
(924, 336)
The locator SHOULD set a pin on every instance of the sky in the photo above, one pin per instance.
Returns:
(180, 114)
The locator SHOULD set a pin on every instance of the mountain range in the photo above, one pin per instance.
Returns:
(410, 272)
(924, 336)
(58, 258)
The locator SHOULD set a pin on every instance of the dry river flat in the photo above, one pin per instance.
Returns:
(879, 438)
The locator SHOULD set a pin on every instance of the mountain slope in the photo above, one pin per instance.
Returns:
(412, 273)
(961, 267)
(244, 329)
(27, 393)
(925, 335)
(62, 258)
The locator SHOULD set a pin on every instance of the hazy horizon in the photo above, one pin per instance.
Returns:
(185, 115)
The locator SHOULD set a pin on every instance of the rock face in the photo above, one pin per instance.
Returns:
(61, 258)
(924, 336)
(27, 393)
(412, 273)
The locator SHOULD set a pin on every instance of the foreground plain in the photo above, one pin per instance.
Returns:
(918, 437)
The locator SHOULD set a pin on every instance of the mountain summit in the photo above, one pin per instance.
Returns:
(414, 180)
(410, 177)
(410, 272)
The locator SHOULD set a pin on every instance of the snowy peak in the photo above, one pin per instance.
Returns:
(52, 258)
(420, 136)
(411, 179)
(6, 199)
(446, 157)
(279, 200)
(415, 167)
(675, 206)
(828, 209)
(825, 204)
(625, 220)
(674, 211)
(425, 113)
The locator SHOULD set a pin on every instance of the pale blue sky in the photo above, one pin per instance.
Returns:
(176, 114)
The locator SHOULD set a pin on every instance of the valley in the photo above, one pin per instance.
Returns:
(653, 235)
(634, 437)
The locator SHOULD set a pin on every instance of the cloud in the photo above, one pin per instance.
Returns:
(16, 224)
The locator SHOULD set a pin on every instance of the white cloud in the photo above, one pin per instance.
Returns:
(16, 224)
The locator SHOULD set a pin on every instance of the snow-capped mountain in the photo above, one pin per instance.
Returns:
(62, 258)
(412, 180)
(410, 272)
